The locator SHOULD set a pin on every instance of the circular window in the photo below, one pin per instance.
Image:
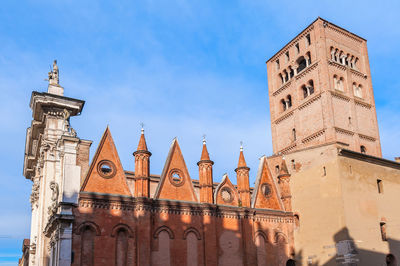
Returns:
(266, 190)
(176, 177)
(226, 195)
(106, 169)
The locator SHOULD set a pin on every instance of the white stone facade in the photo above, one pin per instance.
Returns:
(53, 164)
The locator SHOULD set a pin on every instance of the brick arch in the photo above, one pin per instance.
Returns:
(120, 226)
(280, 235)
(92, 225)
(262, 234)
(192, 230)
(164, 228)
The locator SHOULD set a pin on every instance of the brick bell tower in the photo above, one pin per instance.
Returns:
(320, 92)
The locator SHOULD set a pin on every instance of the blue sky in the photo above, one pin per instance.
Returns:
(184, 68)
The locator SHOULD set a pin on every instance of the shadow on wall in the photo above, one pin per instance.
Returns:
(169, 233)
(348, 254)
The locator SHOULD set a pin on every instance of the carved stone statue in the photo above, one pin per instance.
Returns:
(53, 74)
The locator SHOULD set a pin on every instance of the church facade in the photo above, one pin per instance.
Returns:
(325, 197)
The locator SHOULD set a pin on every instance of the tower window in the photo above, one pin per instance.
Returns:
(293, 164)
(277, 65)
(308, 39)
(277, 169)
(379, 185)
(297, 47)
(363, 149)
(301, 61)
(287, 56)
(281, 77)
(383, 231)
(324, 171)
(284, 105)
(294, 134)
(289, 101)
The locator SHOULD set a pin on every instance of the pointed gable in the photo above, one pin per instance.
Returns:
(226, 193)
(265, 194)
(106, 174)
(175, 182)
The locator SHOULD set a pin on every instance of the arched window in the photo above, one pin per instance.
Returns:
(284, 105)
(261, 250)
(332, 53)
(346, 60)
(162, 256)
(281, 77)
(87, 248)
(286, 75)
(355, 63)
(335, 82)
(191, 248)
(391, 260)
(294, 134)
(290, 263)
(121, 248)
(302, 63)
(289, 101)
(341, 84)
(358, 91)
(305, 91)
(311, 87)
(308, 58)
(363, 149)
(291, 72)
(336, 55)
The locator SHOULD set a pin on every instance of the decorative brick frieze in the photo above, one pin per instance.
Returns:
(306, 71)
(313, 136)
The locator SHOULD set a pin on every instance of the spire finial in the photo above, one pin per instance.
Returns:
(204, 139)
(241, 145)
(142, 125)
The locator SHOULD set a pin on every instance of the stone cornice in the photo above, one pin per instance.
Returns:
(358, 73)
(283, 117)
(344, 131)
(362, 136)
(282, 88)
(292, 42)
(91, 200)
(340, 95)
(344, 32)
(309, 101)
(362, 103)
(368, 158)
(313, 136)
(288, 148)
(336, 64)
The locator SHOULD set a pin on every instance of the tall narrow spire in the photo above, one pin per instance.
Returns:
(242, 176)
(242, 161)
(204, 152)
(142, 142)
(283, 170)
(205, 175)
(142, 168)
(284, 183)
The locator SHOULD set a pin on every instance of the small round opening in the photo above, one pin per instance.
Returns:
(176, 177)
(106, 169)
(226, 195)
